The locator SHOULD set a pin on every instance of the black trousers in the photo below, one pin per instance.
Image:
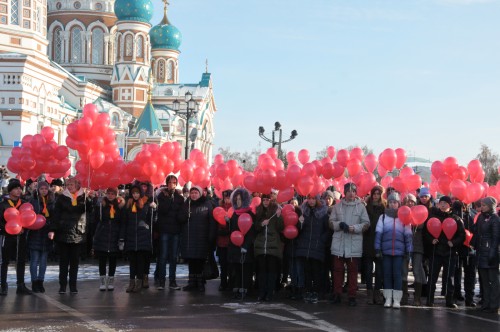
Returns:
(137, 263)
(13, 247)
(268, 267)
(104, 257)
(222, 254)
(69, 256)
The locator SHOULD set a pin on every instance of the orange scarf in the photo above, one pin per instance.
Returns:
(45, 211)
(17, 204)
(112, 212)
(73, 201)
(134, 209)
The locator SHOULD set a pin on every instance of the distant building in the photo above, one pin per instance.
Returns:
(58, 55)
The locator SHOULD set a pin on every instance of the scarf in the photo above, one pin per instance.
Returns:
(393, 213)
(45, 211)
(134, 208)
(242, 210)
(17, 204)
(74, 201)
(112, 212)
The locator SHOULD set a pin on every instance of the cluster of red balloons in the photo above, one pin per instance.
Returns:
(25, 217)
(290, 219)
(220, 215)
(450, 178)
(226, 175)
(154, 162)
(195, 169)
(416, 215)
(100, 163)
(245, 222)
(448, 227)
(40, 154)
(268, 174)
(406, 182)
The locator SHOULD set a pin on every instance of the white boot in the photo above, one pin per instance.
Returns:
(110, 285)
(388, 298)
(397, 294)
(102, 287)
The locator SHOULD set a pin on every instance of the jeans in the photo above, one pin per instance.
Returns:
(418, 268)
(169, 245)
(38, 264)
(393, 273)
(310, 272)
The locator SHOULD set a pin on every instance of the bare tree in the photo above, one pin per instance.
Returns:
(490, 162)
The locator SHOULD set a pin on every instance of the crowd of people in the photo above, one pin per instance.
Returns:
(339, 237)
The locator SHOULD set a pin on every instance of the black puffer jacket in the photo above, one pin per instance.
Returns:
(108, 228)
(234, 252)
(169, 206)
(313, 232)
(374, 213)
(486, 240)
(199, 229)
(70, 222)
(137, 232)
(38, 239)
(442, 248)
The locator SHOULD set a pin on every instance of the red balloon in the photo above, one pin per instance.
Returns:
(330, 151)
(255, 201)
(39, 222)
(399, 184)
(343, 157)
(285, 195)
(459, 189)
(47, 133)
(28, 218)
(250, 183)
(400, 157)
(219, 215)
(13, 228)
(468, 237)
(450, 164)
(11, 215)
(437, 169)
(290, 218)
(404, 214)
(371, 162)
(449, 228)
(354, 167)
(304, 156)
(338, 170)
(26, 207)
(293, 173)
(222, 171)
(26, 141)
(305, 185)
(388, 159)
(237, 238)
(97, 159)
(474, 192)
(419, 214)
(444, 184)
(290, 232)
(244, 223)
(434, 227)
(287, 208)
(357, 153)
(381, 170)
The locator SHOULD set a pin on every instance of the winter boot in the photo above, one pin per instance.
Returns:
(23, 290)
(109, 284)
(388, 298)
(416, 296)
(192, 284)
(200, 282)
(451, 302)
(131, 285)
(161, 284)
(404, 298)
(379, 299)
(430, 298)
(396, 296)
(40, 286)
(138, 286)
(145, 281)
(102, 286)
(369, 295)
(34, 286)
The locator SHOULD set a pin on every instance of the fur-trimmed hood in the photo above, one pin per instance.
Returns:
(246, 198)
(319, 211)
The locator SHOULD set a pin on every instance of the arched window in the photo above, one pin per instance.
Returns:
(14, 12)
(76, 45)
(170, 70)
(161, 71)
(57, 42)
(115, 120)
(140, 47)
(169, 92)
(129, 44)
(97, 46)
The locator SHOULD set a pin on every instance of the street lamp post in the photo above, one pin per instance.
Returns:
(191, 111)
(277, 136)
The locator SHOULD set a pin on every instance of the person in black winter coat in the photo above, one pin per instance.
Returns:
(12, 244)
(169, 204)
(310, 246)
(486, 241)
(444, 251)
(199, 231)
(39, 243)
(109, 219)
(136, 235)
(69, 230)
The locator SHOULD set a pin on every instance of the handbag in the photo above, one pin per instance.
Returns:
(210, 269)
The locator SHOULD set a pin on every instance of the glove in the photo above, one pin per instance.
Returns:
(378, 254)
(343, 226)
(472, 252)
(121, 245)
(243, 251)
(226, 218)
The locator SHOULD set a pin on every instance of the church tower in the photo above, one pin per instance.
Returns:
(165, 42)
(129, 80)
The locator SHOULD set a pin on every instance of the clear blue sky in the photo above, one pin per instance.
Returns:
(423, 75)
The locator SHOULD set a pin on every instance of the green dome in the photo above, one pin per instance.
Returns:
(134, 10)
(165, 35)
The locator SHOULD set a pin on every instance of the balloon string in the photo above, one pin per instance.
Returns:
(448, 275)
(431, 291)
